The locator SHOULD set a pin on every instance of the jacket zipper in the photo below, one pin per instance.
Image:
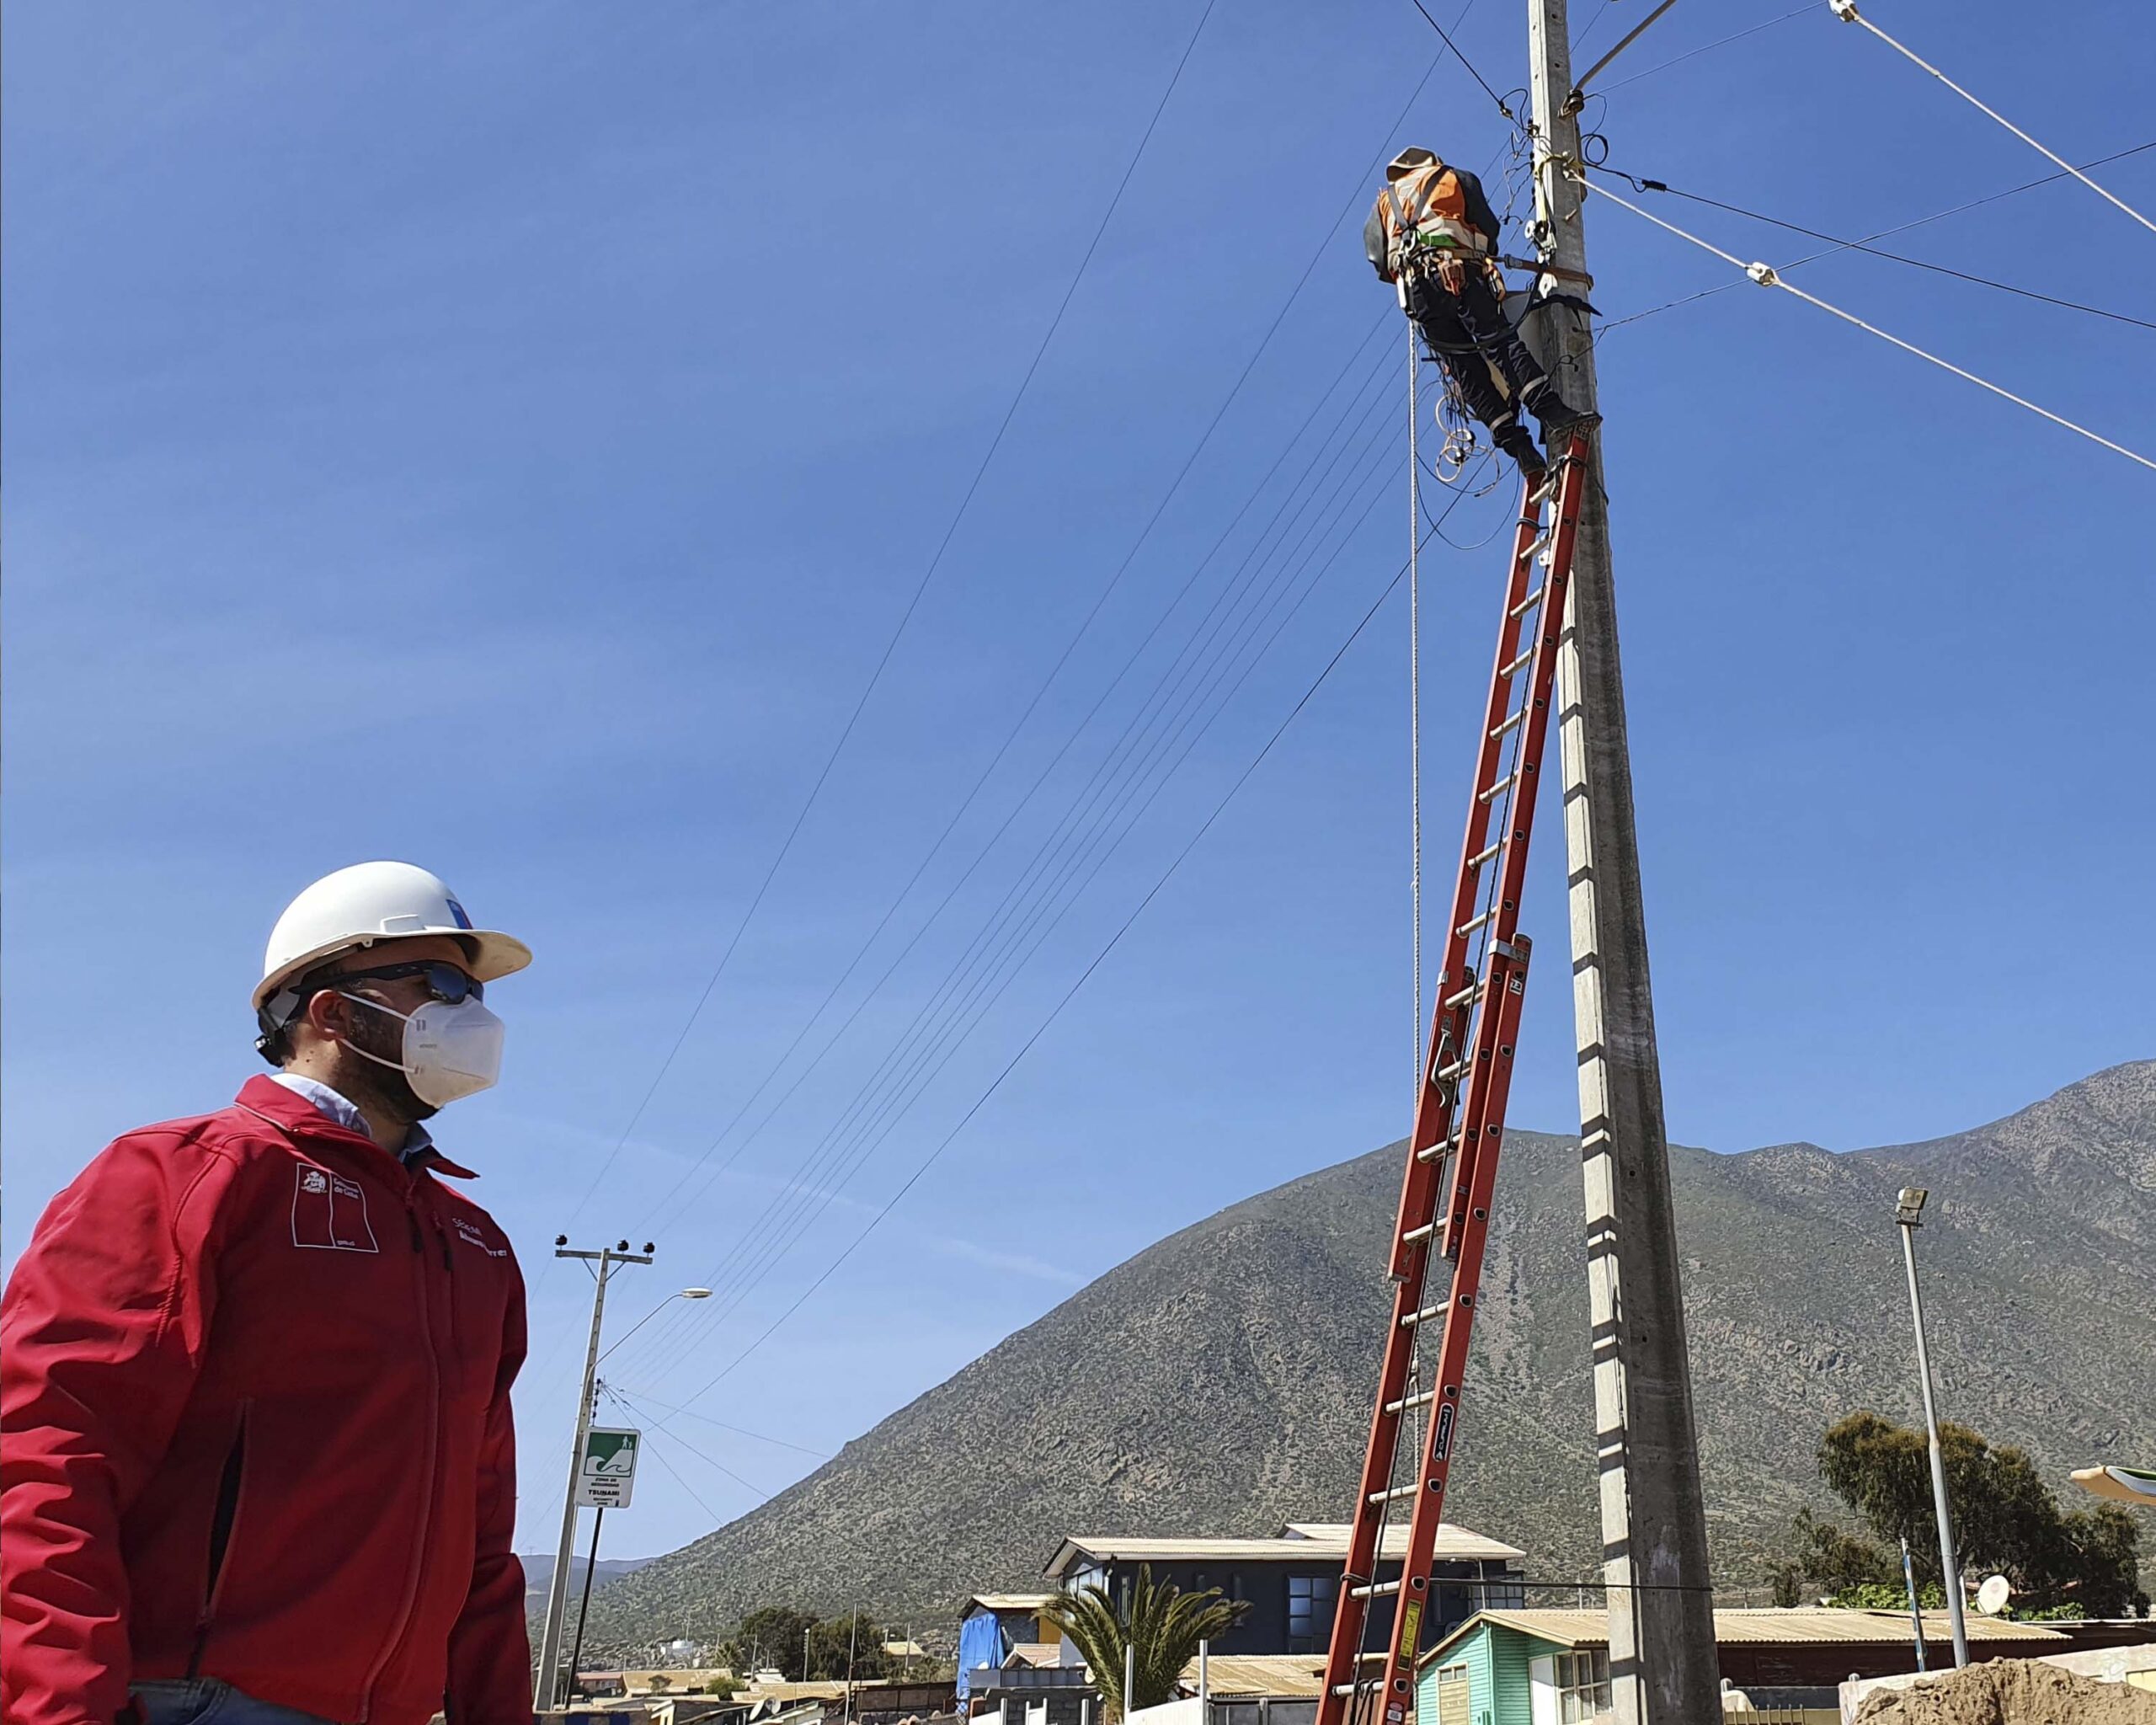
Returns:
(420, 1534)
(225, 1512)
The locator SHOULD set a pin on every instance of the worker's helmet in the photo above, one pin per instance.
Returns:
(361, 906)
(1408, 161)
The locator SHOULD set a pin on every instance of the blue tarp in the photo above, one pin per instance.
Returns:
(980, 1643)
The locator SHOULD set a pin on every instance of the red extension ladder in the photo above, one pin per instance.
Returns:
(1460, 1121)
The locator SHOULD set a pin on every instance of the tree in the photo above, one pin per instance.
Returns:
(1162, 1624)
(768, 1635)
(852, 1644)
(2005, 1519)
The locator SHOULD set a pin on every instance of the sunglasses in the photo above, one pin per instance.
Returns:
(445, 981)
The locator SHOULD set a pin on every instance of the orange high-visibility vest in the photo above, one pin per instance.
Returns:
(1428, 201)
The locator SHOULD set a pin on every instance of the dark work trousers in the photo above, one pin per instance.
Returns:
(1454, 302)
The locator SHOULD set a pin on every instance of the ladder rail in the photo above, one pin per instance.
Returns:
(1443, 1210)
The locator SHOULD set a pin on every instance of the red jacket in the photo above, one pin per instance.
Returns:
(254, 1425)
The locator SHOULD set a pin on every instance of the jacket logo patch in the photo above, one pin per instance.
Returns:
(329, 1213)
(470, 1235)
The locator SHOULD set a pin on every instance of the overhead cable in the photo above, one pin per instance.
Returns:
(1071, 993)
(1707, 48)
(1766, 275)
(1445, 36)
(1881, 233)
(913, 603)
(630, 1403)
(1042, 897)
(1640, 184)
(1145, 534)
(1846, 11)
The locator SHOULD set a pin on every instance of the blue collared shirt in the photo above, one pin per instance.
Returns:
(339, 1107)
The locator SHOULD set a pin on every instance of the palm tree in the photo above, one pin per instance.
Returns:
(1163, 1625)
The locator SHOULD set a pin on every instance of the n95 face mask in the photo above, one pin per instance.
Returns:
(450, 1051)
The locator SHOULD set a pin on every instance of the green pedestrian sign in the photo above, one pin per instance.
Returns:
(607, 1468)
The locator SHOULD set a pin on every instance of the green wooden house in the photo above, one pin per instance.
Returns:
(1533, 1666)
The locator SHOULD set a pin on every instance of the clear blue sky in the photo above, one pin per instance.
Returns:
(506, 437)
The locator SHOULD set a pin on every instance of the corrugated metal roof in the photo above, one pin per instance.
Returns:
(1008, 1602)
(1311, 1540)
(1290, 1677)
(1765, 1625)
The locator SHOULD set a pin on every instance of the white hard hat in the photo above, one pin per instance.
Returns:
(1407, 161)
(371, 902)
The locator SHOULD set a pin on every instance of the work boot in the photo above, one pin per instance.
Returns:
(1515, 442)
(1555, 413)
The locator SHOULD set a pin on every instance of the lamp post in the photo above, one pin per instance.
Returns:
(545, 1695)
(1908, 1207)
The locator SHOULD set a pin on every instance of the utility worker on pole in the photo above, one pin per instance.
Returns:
(1433, 234)
(257, 1466)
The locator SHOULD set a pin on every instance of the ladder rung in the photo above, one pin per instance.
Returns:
(1499, 788)
(1415, 1234)
(1422, 1399)
(1430, 1152)
(1424, 1315)
(1511, 723)
(1485, 854)
(1345, 1688)
(1394, 1494)
(1519, 664)
(1453, 1071)
(1529, 603)
(1454, 1002)
(1469, 927)
(1373, 1590)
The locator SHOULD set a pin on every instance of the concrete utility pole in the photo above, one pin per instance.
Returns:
(546, 1689)
(1662, 1666)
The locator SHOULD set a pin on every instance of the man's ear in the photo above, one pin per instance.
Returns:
(327, 1013)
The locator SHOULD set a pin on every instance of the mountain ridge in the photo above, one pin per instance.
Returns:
(1217, 1381)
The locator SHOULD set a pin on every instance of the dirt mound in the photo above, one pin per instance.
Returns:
(2011, 1692)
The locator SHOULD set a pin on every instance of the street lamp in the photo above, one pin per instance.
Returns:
(1909, 1210)
(682, 1294)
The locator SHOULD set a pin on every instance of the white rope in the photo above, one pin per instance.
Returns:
(1765, 275)
(1415, 684)
(1846, 11)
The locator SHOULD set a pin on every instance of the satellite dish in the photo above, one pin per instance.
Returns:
(1992, 1595)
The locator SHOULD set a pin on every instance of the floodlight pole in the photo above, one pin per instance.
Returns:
(1907, 1217)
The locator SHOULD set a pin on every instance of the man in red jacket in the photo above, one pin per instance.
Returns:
(256, 1460)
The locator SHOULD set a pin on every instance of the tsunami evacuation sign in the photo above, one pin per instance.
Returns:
(607, 1469)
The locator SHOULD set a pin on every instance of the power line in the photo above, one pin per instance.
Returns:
(784, 1216)
(1070, 994)
(1882, 233)
(1264, 342)
(1444, 36)
(1317, 255)
(962, 1012)
(1707, 48)
(1846, 11)
(957, 1001)
(1639, 183)
(913, 603)
(740, 1431)
(658, 1455)
(630, 1403)
(1040, 779)
(1766, 276)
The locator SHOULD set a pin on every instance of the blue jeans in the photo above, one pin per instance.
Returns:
(205, 1701)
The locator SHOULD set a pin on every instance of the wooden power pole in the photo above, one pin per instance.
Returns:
(1654, 1539)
